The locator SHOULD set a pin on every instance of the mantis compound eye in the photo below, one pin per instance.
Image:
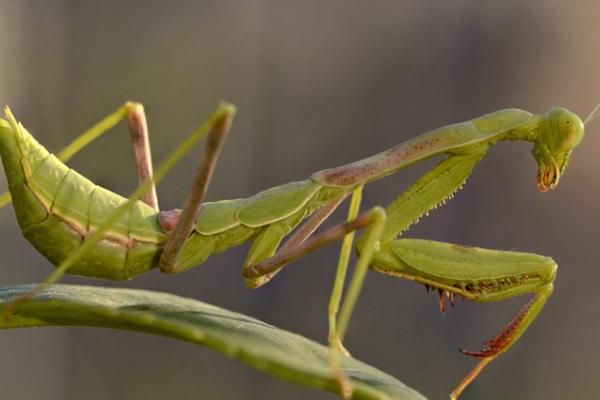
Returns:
(570, 132)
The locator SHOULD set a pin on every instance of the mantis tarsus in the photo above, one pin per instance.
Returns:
(90, 231)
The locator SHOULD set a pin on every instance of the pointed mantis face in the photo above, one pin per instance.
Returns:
(560, 133)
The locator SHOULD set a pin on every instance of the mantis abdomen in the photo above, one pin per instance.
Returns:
(57, 208)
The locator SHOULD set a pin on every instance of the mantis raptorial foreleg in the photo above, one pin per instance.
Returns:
(430, 191)
(474, 271)
(474, 274)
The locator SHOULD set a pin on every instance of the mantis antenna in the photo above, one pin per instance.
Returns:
(593, 115)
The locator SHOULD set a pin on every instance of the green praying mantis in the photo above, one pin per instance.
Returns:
(87, 230)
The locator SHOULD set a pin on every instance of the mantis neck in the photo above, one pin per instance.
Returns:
(527, 132)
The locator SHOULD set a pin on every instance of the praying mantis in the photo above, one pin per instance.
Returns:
(87, 230)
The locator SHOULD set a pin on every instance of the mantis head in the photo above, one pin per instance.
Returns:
(560, 132)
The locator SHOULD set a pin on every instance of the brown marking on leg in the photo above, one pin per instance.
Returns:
(193, 202)
(140, 141)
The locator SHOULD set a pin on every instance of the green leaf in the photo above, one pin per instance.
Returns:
(282, 354)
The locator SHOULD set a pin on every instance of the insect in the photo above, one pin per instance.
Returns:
(87, 230)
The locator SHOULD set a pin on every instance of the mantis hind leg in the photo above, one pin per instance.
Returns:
(475, 274)
(193, 202)
(138, 130)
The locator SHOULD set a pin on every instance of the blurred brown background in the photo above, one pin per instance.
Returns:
(317, 84)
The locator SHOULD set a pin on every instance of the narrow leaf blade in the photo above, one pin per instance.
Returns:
(282, 354)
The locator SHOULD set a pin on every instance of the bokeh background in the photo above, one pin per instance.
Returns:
(317, 84)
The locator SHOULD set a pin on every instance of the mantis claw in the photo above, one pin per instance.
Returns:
(504, 338)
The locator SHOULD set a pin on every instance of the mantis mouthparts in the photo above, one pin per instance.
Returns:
(548, 178)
